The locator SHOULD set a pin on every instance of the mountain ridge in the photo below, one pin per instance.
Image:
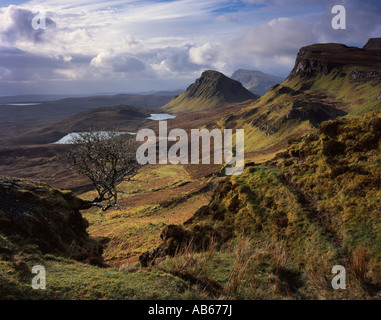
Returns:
(256, 81)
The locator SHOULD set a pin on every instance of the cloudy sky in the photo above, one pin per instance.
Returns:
(98, 46)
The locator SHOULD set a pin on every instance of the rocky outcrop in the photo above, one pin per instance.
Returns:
(315, 112)
(263, 125)
(173, 237)
(373, 43)
(32, 213)
(330, 58)
(364, 76)
(307, 68)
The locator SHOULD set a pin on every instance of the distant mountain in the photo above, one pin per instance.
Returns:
(212, 89)
(167, 93)
(30, 98)
(256, 81)
(163, 92)
(137, 96)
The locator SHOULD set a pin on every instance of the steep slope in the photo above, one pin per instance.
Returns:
(212, 89)
(256, 81)
(312, 207)
(327, 81)
(350, 74)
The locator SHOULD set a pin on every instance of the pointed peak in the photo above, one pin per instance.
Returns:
(212, 89)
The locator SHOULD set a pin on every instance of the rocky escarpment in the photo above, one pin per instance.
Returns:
(335, 59)
(32, 213)
(373, 43)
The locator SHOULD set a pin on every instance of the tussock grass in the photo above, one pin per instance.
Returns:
(302, 213)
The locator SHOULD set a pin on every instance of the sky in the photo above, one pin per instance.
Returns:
(114, 46)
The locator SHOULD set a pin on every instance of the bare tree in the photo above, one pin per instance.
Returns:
(107, 158)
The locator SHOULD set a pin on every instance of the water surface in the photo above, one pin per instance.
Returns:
(21, 104)
(161, 116)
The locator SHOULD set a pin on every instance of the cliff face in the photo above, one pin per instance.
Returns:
(324, 59)
(33, 213)
(212, 89)
(373, 43)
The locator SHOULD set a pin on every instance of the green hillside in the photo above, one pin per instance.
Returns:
(328, 81)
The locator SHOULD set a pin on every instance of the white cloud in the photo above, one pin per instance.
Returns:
(16, 24)
(269, 47)
(117, 62)
(203, 55)
(167, 42)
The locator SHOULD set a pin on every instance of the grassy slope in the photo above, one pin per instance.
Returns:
(68, 279)
(130, 230)
(183, 103)
(355, 98)
(361, 97)
(155, 198)
(302, 213)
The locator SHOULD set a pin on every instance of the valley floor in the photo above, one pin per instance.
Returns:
(157, 196)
